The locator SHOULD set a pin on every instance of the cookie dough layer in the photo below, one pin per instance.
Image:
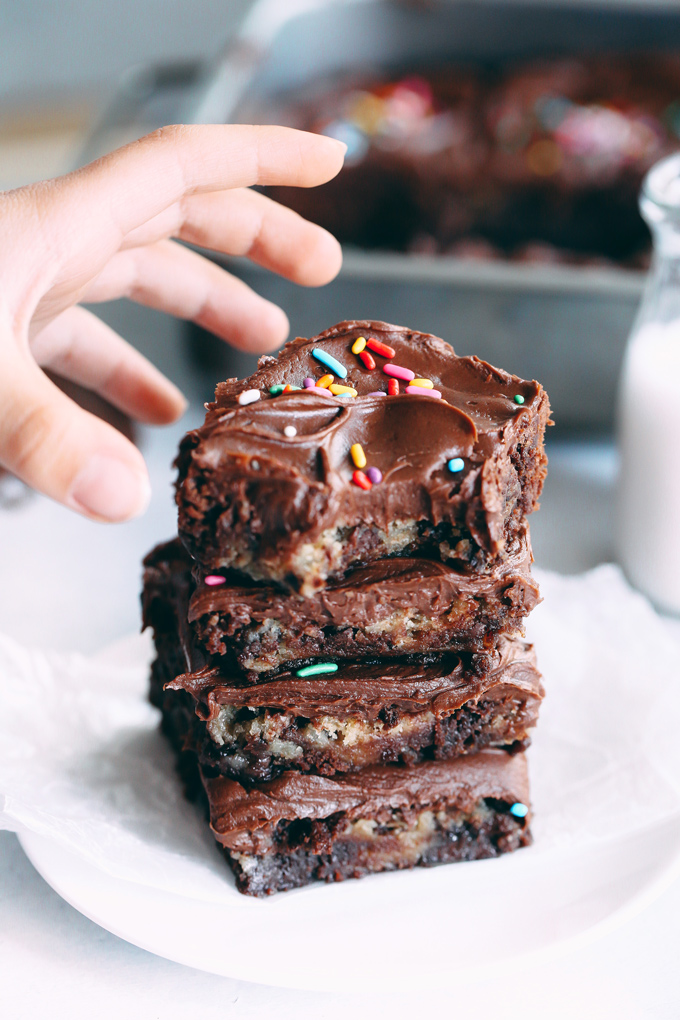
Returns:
(298, 829)
(284, 508)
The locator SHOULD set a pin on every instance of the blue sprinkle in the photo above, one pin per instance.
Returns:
(455, 465)
(329, 361)
(519, 810)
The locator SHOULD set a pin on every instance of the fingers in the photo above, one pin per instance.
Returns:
(243, 222)
(85, 216)
(173, 279)
(61, 450)
(79, 346)
(145, 177)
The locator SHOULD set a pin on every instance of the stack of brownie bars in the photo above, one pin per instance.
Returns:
(340, 664)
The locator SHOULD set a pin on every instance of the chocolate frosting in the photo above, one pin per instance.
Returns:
(365, 689)
(238, 815)
(301, 486)
(370, 594)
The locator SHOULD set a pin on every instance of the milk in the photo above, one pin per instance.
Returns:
(648, 520)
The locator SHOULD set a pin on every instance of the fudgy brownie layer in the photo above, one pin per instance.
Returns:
(365, 714)
(283, 506)
(298, 829)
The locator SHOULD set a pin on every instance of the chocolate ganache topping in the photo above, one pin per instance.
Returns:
(364, 690)
(264, 489)
(238, 816)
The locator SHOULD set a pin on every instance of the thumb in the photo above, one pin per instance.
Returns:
(66, 453)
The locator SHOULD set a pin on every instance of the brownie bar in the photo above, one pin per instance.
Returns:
(365, 714)
(389, 608)
(457, 475)
(301, 828)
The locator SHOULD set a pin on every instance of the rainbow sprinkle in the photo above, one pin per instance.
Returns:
(379, 348)
(248, 397)
(360, 479)
(330, 362)
(519, 810)
(357, 454)
(317, 669)
(399, 372)
(342, 391)
(423, 391)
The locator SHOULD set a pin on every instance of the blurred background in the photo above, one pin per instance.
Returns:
(496, 150)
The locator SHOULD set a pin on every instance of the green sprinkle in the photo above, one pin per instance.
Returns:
(518, 398)
(275, 390)
(319, 667)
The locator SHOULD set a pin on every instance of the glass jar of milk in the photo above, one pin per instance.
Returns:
(648, 519)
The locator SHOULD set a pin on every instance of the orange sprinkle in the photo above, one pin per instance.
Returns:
(325, 381)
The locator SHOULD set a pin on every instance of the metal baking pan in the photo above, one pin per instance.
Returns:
(564, 325)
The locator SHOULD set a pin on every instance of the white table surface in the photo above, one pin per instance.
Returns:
(54, 961)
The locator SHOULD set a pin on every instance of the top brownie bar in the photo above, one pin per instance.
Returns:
(272, 483)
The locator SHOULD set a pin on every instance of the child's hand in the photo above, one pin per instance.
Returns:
(103, 232)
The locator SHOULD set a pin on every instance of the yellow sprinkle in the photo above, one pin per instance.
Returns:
(357, 454)
(325, 381)
(427, 383)
(337, 389)
(358, 345)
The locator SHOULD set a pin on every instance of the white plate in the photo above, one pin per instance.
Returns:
(90, 784)
(394, 930)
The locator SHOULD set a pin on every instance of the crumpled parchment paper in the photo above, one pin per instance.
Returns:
(82, 761)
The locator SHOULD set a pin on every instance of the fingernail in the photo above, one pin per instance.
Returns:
(110, 489)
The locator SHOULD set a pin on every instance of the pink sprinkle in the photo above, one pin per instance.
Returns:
(374, 475)
(214, 579)
(376, 393)
(423, 391)
(308, 383)
(398, 372)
